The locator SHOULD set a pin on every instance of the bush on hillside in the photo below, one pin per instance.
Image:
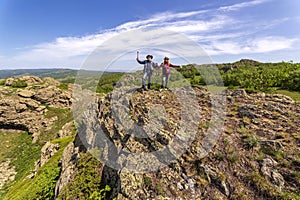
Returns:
(19, 84)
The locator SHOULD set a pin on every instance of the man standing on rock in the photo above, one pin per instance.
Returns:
(148, 69)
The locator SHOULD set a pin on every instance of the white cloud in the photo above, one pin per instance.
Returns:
(214, 30)
(268, 44)
(192, 27)
(242, 5)
(257, 45)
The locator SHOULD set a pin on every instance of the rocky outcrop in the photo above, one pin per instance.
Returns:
(68, 167)
(29, 80)
(26, 93)
(66, 130)
(154, 145)
(7, 173)
(217, 178)
(260, 130)
(51, 81)
(47, 151)
(24, 109)
(19, 113)
(268, 169)
(52, 96)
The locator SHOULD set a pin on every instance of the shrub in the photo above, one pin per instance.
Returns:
(158, 189)
(63, 86)
(107, 82)
(86, 183)
(232, 155)
(219, 156)
(2, 81)
(19, 84)
(250, 141)
(147, 181)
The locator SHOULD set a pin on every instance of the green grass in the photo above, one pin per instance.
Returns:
(266, 189)
(63, 86)
(64, 116)
(250, 141)
(18, 147)
(86, 183)
(19, 84)
(2, 81)
(232, 155)
(278, 154)
(293, 94)
(219, 156)
(43, 184)
(159, 189)
(147, 182)
(242, 130)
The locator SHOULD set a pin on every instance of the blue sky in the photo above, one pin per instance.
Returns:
(62, 33)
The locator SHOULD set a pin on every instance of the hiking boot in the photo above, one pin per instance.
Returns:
(149, 86)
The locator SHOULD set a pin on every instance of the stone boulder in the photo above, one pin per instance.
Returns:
(51, 81)
(47, 151)
(268, 170)
(30, 80)
(53, 96)
(26, 93)
(7, 173)
(240, 93)
(67, 130)
(69, 162)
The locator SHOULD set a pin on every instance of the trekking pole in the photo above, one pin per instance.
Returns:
(137, 54)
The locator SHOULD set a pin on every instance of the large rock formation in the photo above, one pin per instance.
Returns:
(25, 108)
(163, 144)
(29, 80)
(256, 156)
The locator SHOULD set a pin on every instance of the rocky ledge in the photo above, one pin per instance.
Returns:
(256, 156)
(25, 100)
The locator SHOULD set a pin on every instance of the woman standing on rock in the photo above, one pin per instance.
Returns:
(166, 71)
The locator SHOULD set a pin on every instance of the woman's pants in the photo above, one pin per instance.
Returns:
(165, 80)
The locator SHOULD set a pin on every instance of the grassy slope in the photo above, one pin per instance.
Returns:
(19, 147)
(64, 116)
(42, 185)
(293, 94)
(21, 144)
(30, 152)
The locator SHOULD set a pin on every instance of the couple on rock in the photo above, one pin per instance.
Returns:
(149, 66)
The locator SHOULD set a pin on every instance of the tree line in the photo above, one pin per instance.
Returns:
(252, 76)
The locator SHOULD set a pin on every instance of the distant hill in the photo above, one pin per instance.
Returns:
(251, 75)
(54, 73)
